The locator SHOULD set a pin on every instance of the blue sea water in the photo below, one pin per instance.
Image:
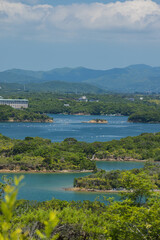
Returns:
(43, 187)
(65, 126)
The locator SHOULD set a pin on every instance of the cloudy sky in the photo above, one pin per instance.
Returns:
(45, 34)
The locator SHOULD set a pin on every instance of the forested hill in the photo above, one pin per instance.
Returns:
(41, 154)
(64, 87)
(134, 78)
(51, 86)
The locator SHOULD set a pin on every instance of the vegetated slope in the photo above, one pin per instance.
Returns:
(38, 153)
(11, 87)
(41, 154)
(112, 180)
(133, 78)
(145, 116)
(64, 87)
(142, 147)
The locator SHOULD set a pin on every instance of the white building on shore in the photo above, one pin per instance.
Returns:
(15, 103)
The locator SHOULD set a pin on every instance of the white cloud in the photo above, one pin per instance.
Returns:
(49, 22)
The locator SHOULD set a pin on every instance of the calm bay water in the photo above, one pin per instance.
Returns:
(43, 187)
(65, 126)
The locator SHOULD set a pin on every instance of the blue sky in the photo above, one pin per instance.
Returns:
(46, 34)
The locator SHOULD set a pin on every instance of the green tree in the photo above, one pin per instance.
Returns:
(138, 186)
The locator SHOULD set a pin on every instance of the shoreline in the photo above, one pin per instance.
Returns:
(44, 171)
(119, 160)
(28, 121)
(77, 189)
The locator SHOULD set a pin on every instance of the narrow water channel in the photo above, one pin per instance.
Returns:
(45, 186)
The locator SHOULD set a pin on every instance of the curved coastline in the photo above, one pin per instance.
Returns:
(77, 189)
(110, 159)
(44, 171)
(29, 121)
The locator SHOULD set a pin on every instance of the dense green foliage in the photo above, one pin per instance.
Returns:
(143, 147)
(40, 154)
(101, 180)
(152, 116)
(138, 108)
(8, 113)
(118, 220)
(10, 232)
(97, 104)
(63, 87)
(120, 180)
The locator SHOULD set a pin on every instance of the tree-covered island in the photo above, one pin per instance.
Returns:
(9, 114)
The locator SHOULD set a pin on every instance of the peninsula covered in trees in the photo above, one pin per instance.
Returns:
(114, 180)
(9, 114)
(38, 154)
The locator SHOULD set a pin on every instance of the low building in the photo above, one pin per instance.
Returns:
(15, 103)
(83, 99)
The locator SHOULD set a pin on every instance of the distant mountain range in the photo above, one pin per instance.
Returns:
(134, 78)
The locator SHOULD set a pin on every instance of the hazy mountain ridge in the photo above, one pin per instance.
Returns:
(133, 78)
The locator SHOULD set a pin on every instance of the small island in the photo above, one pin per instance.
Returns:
(96, 121)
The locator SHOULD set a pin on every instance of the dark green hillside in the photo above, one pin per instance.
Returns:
(145, 117)
(112, 180)
(38, 154)
(143, 147)
(64, 87)
(11, 87)
(8, 113)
